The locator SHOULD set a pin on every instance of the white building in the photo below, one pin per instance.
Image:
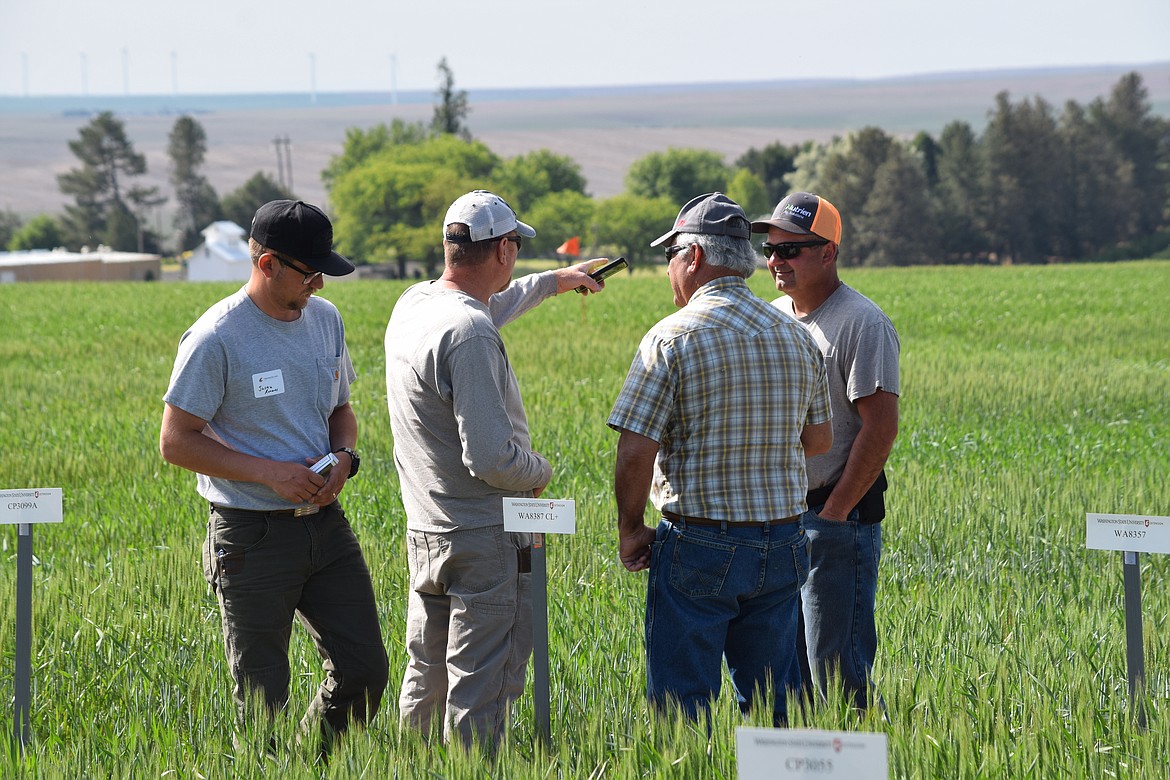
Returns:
(58, 265)
(223, 255)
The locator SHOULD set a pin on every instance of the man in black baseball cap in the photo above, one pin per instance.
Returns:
(301, 231)
(259, 396)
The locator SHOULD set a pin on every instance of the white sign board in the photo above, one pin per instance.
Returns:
(783, 753)
(31, 505)
(540, 515)
(1128, 533)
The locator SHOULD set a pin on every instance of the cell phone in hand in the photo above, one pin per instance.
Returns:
(606, 271)
(327, 461)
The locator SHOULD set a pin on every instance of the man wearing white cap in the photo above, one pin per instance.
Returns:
(461, 443)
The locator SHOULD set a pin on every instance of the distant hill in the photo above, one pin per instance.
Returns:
(603, 128)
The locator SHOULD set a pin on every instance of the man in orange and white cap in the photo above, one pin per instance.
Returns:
(846, 484)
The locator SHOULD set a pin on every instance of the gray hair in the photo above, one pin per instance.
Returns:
(735, 254)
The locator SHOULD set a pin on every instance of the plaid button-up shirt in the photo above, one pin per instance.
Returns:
(725, 385)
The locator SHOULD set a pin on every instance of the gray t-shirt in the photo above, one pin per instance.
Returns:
(861, 351)
(461, 439)
(265, 387)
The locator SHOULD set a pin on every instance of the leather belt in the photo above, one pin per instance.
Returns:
(300, 511)
(706, 521)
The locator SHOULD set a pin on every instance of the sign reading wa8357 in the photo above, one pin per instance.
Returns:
(30, 505)
(1128, 533)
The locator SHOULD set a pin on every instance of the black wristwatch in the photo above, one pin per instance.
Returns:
(354, 461)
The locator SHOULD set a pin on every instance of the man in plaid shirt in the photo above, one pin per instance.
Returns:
(723, 401)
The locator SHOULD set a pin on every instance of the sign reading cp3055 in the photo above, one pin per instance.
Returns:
(30, 505)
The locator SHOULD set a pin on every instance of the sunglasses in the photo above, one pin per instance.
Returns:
(789, 249)
(671, 251)
(309, 276)
(517, 240)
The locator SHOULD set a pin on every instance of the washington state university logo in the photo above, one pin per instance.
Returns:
(37, 494)
(1147, 522)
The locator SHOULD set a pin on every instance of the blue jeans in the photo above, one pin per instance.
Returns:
(719, 593)
(837, 603)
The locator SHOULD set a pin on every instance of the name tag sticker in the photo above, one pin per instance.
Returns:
(33, 505)
(540, 515)
(268, 383)
(1128, 533)
(775, 753)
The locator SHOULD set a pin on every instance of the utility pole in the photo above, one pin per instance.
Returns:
(283, 160)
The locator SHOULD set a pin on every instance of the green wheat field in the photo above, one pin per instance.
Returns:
(1031, 395)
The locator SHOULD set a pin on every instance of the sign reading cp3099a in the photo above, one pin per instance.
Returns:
(1128, 533)
(30, 505)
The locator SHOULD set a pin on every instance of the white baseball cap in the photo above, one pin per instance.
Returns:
(486, 215)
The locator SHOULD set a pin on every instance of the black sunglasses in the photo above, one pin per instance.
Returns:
(789, 249)
(671, 251)
(517, 240)
(309, 276)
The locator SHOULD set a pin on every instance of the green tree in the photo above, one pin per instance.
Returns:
(1140, 144)
(451, 107)
(1027, 180)
(362, 144)
(10, 223)
(626, 224)
(390, 207)
(847, 174)
(771, 164)
(677, 175)
(108, 208)
(197, 204)
(746, 189)
(240, 205)
(526, 178)
(896, 226)
(40, 232)
(558, 217)
(959, 199)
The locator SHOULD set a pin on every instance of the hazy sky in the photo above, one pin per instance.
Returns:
(115, 47)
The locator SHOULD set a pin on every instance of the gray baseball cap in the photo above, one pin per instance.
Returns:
(713, 214)
(486, 215)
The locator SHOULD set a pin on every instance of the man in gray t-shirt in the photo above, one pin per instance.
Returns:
(258, 394)
(846, 484)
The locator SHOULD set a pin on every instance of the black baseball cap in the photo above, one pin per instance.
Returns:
(301, 231)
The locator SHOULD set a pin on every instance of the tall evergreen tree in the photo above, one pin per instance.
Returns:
(108, 208)
(1141, 142)
(197, 205)
(1027, 180)
(958, 195)
(451, 108)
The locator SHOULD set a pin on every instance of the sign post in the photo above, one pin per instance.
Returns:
(23, 508)
(540, 516)
(1131, 535)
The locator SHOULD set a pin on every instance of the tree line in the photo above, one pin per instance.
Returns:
(1089, 182)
